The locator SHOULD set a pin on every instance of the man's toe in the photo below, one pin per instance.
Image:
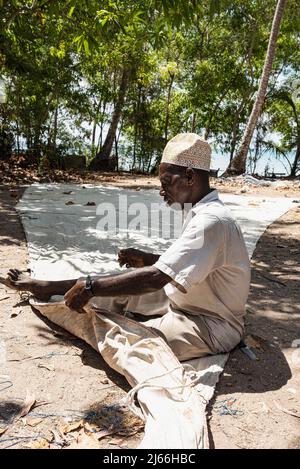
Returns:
(15, 272)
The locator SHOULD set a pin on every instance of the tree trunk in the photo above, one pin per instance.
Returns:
(235, 129)
(94, 135)
(168, 106)
(94, 129)
(99, 144)
(256, 154)
(194, 122)
(18, 136)
(137, 112)
(37, 136)
(117, 154)
(117, 138)
(55, 127)
(109, 141)
(149, 164)
(238, 163)
(296, 160)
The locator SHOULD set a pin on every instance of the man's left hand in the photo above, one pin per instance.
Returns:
(77, 297)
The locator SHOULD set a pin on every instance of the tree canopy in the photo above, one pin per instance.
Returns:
(101, 78)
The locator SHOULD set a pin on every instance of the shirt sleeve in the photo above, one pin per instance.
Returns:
(198, 251)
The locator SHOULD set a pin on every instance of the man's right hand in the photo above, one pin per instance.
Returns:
(135, 258)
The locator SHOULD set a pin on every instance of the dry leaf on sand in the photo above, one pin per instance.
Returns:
(70, 427)
(4, 298)
(33, 422)
(104, 433)
(91, 427)
(58, 439)
(48, 367)
(38, 444)
(84, 441)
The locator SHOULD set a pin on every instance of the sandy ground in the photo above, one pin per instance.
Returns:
(257, 403)
(15, 176)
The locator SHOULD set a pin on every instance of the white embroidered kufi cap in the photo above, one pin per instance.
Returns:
(188, 150)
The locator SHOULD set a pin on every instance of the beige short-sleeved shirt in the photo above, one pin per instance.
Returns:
(209, 264)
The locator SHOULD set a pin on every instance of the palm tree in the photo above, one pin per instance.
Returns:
(286, 96)
(238, 163)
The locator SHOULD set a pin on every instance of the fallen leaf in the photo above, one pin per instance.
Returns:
(38, 444)
(90, 204)
(130, 432)
(27, 405)
(68, 192)
(58, 438)
(70, 202)
(18, 354)
(92, 428)
(287, 411)
(39, 404)
(116, 442)
(84, 441)
(48, 367)
(70, 427)
(3, 430)
(33, 422)
(104, 433)
(4, 298)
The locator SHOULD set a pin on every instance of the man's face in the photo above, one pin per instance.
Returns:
(174, 187)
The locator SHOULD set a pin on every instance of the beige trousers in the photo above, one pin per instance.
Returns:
(188, 336)
(149, 358)
(169, 402)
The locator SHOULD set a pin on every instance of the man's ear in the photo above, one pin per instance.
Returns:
(190, 175)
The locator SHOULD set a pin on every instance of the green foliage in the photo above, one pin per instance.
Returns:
(189, 66)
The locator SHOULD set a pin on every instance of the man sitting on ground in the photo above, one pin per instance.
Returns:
(197, 289)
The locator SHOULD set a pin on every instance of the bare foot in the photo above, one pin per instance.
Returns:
(21, 281)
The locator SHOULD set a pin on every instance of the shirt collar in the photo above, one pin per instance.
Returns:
(210, 197)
